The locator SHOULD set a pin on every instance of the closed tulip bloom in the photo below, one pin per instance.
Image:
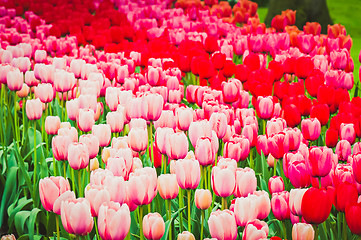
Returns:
(319, 162)
(64, 81)
(137, 123)
(116, 187)
(64, 196)
(14, 79)
(203, 198)
(93, 164)
(92, 144)
(280, 205)
(188, 173)
(72, 109)
(199, 129)
(52, 125)
(204, 152)
(162, 138)
(69, 131)
(294, 137)
(265, 107)
(24, 91)
(278, 145)
(152, 106)
(142, 186)
(177, 147)
(356, 166)
(250, 131)
(34, 109)
(50, 189)
(153, 226)
(237, 148)
(183, 118)
(346, 194)
(246, 182)
(315, 198)
(78, 156)
(255, 230)
(222, 225)
(262, 145)
(353, 217)
(116, 121)
(60, 146)
(44, 92)
(103, 133)
(167, 119)
(117, 166)
(276, 184)
(262, 203)
(185, 235)
(138, 139)
(76, 216)
(231, 90)
(347, 132)
(96, 195)
(311, 128)
(110, 214)
(343, 150)
(218, 122)
(244, 210)
(274, 126)
(223, 181)
(299, 174)
(303, 231)
(167, 186)
(85, 120)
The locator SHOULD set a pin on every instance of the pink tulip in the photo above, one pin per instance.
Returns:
(116, 188)
(133, 108)
(153, 226)
(177, 146)
(50, 189)
(138, 139)
(204, 152)
(64, 81)
(319, 162)
(295, 200)
(85, 120)
(15, 79)
(44, 92)
(347, 132)
(78, 156)
(223, 181)
(52, 125)
(222, 225)
(311, 128)
(137, 123)
(111, 213)
(72, 109)
(116, 121)
(343, 150)
(76, 216)
(167, 186)
(237, 148)
(274, 126)
(76, 66)
(218, 122)
(166, 119)
(199, 129)
(356, 167)
(231, 90)
(4, 69)
(246, 182)
(88, 101)
(112, 97)
(294, 137)
(255, 230)
(24, 91)
(183, 118)
(262, 203)
(103, 133)
(96, 195)
(34, 109)
(117, 166)
(298, 173)
(92, 144)
(280, 205)
(64, 196)
(276, 184)
(262, 145)
(97, 177)
(188, 173)
(202, 198)
(303, 231)
(60, 146)
(152, 106)
(40, 56)
(265, 107)
(142, 186)
(278, 145)
(69, 131)
(162, 138)
(185, 235)
(250, 131)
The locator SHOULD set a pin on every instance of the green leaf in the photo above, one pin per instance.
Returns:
(9, 192)
(22, 204)
(32, 220)
(20, 220)
(168, 223)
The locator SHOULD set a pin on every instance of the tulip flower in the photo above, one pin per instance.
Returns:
(78, 156)
(103, 133)
(311, 128)
(138, 139)
(218, 122)
(52, 125)
(116, 121)
(204, 152)
(222, 225)
(143, 185)
(246, 182)
(223, 181)
(14, 80)
(303, 231)
(295, 200)
(265, 107)
(50, 189)
(110, 213)
(316, 199)
(177, 145)
(347, 132)
(185, 235)
(153, 226)
(76, 216)
(244, 210)
(85, 120)
(34, 109)
(96, 195)
(92, 144)
(346, 194)
(343, 150)
(319, 162)
(167, 186)
(276, 184)
(255, 229)
(280, 205)
(353, 214)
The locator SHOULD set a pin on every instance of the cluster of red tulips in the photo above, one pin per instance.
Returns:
(134, 119)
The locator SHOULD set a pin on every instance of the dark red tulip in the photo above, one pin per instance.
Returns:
(331, 138)
(292, 115)
(229, 69)
(314, 81)
(346, 194)
(321, 112)
(353, 218)
(211, 44)
(303, 67)
(218, 59)
(241, 72)
(277, 68)
(316, 205)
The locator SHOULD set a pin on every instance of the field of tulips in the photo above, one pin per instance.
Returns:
(153, 119)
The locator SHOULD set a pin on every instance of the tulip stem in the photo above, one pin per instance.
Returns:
(96, 228)
(170, 218)
(202, 223)
(264, 126)
(54, 167)
(180, 207)
(251, 162)
(80, 183)
(16, 121)
(284, 230)
(151, 141)
(209, 178)
(73, 179)
(35, 160)
(57, 226)
(64, 168)
(224, 203)
(316, 231)
(23, 113)
(141, 236)
(344, 227)
(275, 168)
(164, 164)
(189, 210)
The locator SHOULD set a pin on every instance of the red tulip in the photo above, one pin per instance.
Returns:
(353, 218)
(346, 195)
(316, 199)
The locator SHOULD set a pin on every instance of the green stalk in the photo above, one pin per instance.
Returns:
(23, 113)
(316, 231)
(202, 224)
(284, 230)
(169, 217)
(189, 210)
(96, 228)
(209, 178)
(62, 109)
(344, 227)
(151, 142)
(73, 179)
(275, 168)
(264, 126)
(35, 161)
(80, 184)
(251, 162)
(54, 167)
(224, 203)
(57, 227)
(202, 177)
(180, 206)
(64, 168)
(128, 236)
(141, 235)
(16, 121)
